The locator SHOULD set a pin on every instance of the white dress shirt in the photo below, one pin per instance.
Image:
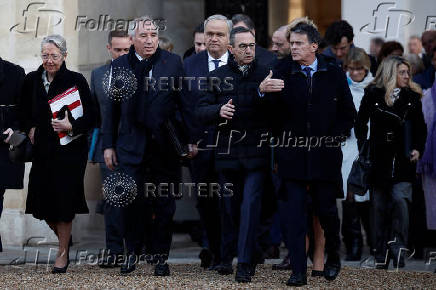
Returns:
(223, 60)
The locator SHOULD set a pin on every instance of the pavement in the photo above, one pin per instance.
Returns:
(30, 267)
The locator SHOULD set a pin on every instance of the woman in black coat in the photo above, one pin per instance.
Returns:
(11, 81)
(392, 104)
(56, 190)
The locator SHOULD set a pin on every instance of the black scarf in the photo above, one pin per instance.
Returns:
(143, 67)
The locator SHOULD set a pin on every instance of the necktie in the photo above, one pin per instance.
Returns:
(307, 71)
(216, 62)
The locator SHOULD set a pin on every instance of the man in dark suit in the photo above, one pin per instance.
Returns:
(427, 77)
(118, 44)
(269, 203)
(428, 39)
(135, 128)
(263, 56)
(315, 111)
(197, 67)
(199, 44)
(243, 164)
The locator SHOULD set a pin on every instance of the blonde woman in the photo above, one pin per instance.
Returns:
(392, 104)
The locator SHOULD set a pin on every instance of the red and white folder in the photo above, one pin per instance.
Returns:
(70, 98)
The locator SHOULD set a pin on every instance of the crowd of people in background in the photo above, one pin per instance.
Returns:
(304, 86)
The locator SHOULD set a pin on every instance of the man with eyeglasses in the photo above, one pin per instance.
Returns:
(239, 160)
(263, 56)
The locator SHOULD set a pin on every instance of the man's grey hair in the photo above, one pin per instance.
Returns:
(57, 40)
(219, 17)
(282, 28)
(133, 25)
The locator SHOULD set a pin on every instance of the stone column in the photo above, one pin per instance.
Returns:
(24, 24)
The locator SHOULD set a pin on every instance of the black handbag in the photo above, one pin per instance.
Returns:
(358, 179)
(20, 148)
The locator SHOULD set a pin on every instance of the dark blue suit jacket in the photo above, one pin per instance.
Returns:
(265, 58)
(195, 66)
(132, 123)
(426, 78)
(99, 96)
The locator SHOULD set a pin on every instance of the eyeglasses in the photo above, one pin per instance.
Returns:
(244, 46)
(52, 56)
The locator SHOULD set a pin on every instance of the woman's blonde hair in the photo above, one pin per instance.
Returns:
(386, 77)
(358, 56)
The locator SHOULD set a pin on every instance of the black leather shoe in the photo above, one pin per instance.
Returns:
(252, 269)
(316, 273)
(272, 252)
(243, 273)
(129, 265)
(162, 269)
(206, 258)
(225, 269)
(332, 267)
(297, 280)
(397, 256)
(108, 262)
(57, 270)
(354, 252)
(284, 265)
(214, 265)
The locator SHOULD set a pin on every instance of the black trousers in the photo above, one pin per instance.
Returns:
(324, 206)
(208, 204)
(240, 213)
(390, 217)
(354, 215)
(133, 214)
(162, 171)
(159, 209)
(113, 220)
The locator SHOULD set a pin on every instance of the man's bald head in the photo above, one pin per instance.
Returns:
(280, 44)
